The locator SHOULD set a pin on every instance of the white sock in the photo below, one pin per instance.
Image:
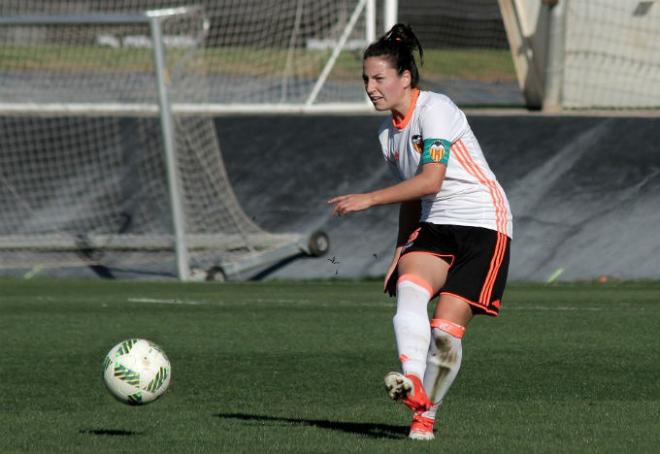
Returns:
(443, 362)
(411, 324)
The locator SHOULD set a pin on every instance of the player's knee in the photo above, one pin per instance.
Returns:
(442, 340)
(416, 286)
(413, 295)
(446, 339)
(446, 348)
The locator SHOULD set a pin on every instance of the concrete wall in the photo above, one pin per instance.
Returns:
(585, 191)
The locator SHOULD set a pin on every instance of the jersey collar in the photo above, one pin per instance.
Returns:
(401, 124)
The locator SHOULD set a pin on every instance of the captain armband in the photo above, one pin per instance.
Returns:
(436, 151)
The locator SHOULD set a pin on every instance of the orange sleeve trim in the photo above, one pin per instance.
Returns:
(401, 124)
(449, 327)
(417, 281)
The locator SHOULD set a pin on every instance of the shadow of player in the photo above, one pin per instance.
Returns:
(360, 428)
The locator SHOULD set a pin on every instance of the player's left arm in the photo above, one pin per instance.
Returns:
(439, 126)
(427, 182)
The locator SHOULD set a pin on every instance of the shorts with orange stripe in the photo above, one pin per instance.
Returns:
(478, 261)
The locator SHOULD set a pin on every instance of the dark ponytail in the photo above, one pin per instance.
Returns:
(398, 45)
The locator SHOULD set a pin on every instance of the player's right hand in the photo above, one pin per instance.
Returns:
(350, 203)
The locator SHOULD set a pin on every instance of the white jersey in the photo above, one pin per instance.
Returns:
(436, 130)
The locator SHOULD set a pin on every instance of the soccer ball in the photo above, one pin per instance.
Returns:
(136, 371)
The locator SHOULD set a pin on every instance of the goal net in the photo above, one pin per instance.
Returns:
(598, 54)
(612, 54)
(99, 166)
(290, 54)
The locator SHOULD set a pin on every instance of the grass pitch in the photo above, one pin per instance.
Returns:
(288, 367)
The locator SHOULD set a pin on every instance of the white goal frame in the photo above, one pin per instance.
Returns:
(153, 19)
(271, 248)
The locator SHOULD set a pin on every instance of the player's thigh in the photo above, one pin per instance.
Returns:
(454, 309)
(428, 267)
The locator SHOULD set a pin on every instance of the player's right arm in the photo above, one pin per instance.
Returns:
(409, 214)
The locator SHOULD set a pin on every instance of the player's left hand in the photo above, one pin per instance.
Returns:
(350, 203)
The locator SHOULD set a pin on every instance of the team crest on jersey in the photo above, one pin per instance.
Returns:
(417, 143)
(437, 151)
(395, 155)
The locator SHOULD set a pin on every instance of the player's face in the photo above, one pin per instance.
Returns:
(385, 87)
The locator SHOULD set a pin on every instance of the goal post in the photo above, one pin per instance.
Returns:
(167, 125)
(600, 54)
(99, 168)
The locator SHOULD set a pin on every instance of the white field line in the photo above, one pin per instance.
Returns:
(551, 308)
(307, 302)
(378, 304)
(165, 301)
(274, 301)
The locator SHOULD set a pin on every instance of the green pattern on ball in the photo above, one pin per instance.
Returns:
(127, 375)
(106, 363)
(135, 399)
(158, 380)
(126, 346)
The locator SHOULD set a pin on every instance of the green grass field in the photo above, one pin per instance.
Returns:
(289, 367)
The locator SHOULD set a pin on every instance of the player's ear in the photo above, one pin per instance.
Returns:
(406, 78)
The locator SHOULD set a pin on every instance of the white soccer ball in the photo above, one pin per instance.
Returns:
(136, 371)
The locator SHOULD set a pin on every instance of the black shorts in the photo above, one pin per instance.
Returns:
(478, 261)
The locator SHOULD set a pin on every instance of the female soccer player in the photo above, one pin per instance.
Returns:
(454, 225)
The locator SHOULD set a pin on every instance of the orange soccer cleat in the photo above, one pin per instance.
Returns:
(408, 389)
(421, 427)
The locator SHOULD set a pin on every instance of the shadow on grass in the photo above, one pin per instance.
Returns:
(110, 432)
(361, 428)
